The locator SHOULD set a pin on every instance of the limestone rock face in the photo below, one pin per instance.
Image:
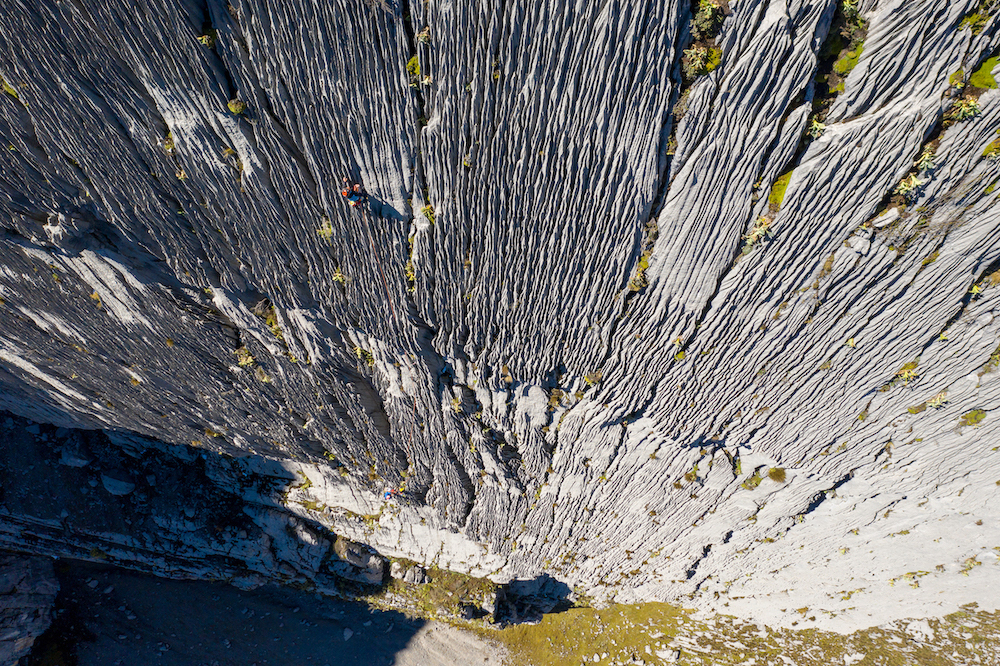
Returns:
(28, 588)
(658, 301)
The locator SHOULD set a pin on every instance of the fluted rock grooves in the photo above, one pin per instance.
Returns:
(657, 336)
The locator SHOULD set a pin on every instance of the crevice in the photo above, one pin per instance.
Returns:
(823, 495)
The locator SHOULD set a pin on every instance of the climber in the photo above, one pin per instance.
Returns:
(389, 494)
(355, 193)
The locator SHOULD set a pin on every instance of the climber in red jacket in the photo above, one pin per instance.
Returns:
(355, 193)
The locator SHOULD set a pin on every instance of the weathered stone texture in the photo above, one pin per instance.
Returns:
(489, 338)
(28, 588)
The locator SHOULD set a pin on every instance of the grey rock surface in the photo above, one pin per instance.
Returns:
(28, 588)
(559, 334)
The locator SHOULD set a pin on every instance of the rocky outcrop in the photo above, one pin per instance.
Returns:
(656, 300)
(28, 588)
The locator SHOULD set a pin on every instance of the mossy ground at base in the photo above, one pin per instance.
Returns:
(575, 635)
(624, 632)
(441, 598)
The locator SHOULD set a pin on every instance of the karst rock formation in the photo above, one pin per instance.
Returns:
(650, 300)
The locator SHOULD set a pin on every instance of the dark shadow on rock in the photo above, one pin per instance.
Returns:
(133, 507)
(381, 211)
(526, 601)
(109, 615)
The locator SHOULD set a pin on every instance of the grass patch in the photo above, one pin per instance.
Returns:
(776, 474)
(574, 636)
(443, 595)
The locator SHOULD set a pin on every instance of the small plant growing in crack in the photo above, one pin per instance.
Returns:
(816, 129)
(760, 230)
(236, 107)
(925, 162)
(365, 356)
(244, 358)
(325, 230)
(963, 109)
(707, 20)
(938, 401)
(209, 38)
(909, 187)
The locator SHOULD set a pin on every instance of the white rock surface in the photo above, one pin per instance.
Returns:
(462, 376)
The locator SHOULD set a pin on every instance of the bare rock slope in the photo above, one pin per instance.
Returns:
(662, 299)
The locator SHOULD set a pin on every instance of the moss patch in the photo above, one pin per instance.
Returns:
(778, 191)
(413, 68)
(848, 60)
(443, 595)
(7, 88)
(715, 58)
(972, 418)
(575, 635)
(983, 77)
(625, 633)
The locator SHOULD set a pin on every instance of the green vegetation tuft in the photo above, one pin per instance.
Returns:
(778, 191)
(776, 474)
(976, 20)
(848, 60)
(365, 356)
(753, 481)
(972, 418)
(983, 77)
(7, 88)
(639, 281)
(413, 69)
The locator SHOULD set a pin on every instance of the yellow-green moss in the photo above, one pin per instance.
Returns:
(413, 68)
(972, 417)
(7, 88)
(983, 77)
(713, 60)
(778, 190)
(848, 61)
(625, 632)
